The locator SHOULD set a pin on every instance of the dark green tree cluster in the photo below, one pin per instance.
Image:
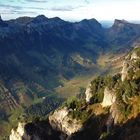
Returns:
(137, 50)
(77, 108)
(98, 85)
(81, 94)
(75, 103)
(124, 92)
(97, 89)
(137, 63)
(137, 76)
(42, 109)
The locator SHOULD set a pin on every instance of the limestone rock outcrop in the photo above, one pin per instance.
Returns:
(129, 64)
(88, 94)
(61, 121)
(134, 56)
(19, 133)
(109, 97)
(124, 71)
(115, 113)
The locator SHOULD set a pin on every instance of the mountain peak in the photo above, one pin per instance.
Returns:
(118, 22)
(1, 19)
(90, 20)
(2, 23)
(23, 20)
(40, 19)
(121, 21)
(56, 19)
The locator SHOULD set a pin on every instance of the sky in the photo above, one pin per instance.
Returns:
(72, 10)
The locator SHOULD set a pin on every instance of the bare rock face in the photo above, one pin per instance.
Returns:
(115, 113)
(88, 94)
(134, 56)
(128, 64)
(109, 97)
(124, 71)
(61, 121)
(19, 133)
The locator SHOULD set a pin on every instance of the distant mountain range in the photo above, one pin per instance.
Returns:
(41, 51)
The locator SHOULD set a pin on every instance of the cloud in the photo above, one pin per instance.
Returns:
(19, 7)
(6, 6)
(34, 8)
(6, 9)
(38, 1)
(14, 12)
(66, 8)
(24, 12)
(6, 13)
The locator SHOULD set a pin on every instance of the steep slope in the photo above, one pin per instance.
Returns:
(113, 107)
(41, 51)
(109, 113)
(122, 34)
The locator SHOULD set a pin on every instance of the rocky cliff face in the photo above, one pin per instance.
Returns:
(61, 121)
(109, 97)
(124, 71)
(88, 94)
(114, 113)
(120, 29)
(129, 64)
(19, 133)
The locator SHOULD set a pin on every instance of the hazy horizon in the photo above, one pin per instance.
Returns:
(106, 10)
(105, 23)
